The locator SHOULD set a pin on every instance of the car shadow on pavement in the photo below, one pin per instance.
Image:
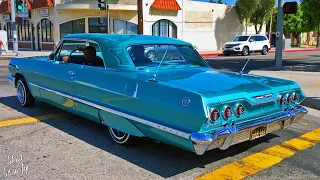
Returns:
(158, 158)
(12, 103)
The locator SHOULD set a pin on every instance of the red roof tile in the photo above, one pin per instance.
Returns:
(166, 4)
(5, 7)
(41, 3)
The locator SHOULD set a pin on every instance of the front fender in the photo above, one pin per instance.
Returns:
(119, 123)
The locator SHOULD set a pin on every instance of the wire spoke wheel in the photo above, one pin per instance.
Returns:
(21, 92)
(118, 136)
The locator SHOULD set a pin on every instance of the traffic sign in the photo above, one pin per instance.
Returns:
(277, 34)
(24, 14)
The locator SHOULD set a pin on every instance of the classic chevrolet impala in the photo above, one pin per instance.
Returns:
(173, 97)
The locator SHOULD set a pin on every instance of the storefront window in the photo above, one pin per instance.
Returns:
(7, 28)
(98, 25)
(24, 31)
(47, 34)
(124, 27)
(71, 27)
(164, 28)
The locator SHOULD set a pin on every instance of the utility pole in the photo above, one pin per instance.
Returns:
(14, 27)
(270, 27)
(108, 18)
(140, 17)
(279, 40)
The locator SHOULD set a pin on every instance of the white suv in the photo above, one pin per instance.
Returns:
(244, 44)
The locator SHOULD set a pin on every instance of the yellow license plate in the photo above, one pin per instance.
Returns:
(259, 132)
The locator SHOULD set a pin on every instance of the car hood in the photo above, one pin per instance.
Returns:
(212, 82)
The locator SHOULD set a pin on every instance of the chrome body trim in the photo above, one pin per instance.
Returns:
(14, 66)
(12, 81)
(134, 118)
(224, 137)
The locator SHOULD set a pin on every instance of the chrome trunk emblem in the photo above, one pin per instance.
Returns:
(185, 101)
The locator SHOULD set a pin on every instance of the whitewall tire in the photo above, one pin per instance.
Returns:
(24, 95)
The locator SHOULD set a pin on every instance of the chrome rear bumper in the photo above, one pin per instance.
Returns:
(11, 80)
(234, 134)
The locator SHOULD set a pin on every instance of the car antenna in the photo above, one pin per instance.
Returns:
(241, 72)
(155, 74)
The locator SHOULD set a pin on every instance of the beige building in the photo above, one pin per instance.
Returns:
(205, 25)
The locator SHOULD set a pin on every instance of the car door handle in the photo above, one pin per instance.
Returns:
(71, 73)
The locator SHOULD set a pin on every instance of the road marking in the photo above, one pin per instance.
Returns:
(30, 119)
(265, 159)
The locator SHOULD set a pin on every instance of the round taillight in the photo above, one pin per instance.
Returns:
(215, 115)
(288, 99)
(239, 110)
(295, 97)
(227, 112)
(281, 100)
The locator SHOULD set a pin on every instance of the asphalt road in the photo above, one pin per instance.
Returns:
(70, 147)
(303, 61)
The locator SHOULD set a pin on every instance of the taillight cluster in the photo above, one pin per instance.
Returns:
(227, 112)
(288, 98)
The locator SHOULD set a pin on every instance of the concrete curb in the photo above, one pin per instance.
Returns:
(271, 51)
(311, 102)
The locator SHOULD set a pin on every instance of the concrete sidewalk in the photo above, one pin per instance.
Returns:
(308, 81)
(10, 54)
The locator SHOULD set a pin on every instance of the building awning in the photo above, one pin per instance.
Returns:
(5, 7)
(166, 5)
(41, 4)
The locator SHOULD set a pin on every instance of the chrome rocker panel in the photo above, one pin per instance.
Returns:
(11, 80)
(235, 134)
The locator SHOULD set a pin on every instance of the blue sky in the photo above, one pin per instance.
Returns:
(231, 2)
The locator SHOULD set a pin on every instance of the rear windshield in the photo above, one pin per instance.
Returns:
(170, 56)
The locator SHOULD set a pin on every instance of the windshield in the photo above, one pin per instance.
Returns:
(241, 38)
(145, 56)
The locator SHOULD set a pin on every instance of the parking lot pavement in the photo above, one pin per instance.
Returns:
(47, 143)
(298, 61)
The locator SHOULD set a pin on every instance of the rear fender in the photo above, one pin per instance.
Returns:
(119, 123)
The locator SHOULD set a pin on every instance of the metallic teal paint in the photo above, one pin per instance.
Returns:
(91, 92)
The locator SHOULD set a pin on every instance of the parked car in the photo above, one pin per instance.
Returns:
(152, 52)
(244, 44)
(180, 101)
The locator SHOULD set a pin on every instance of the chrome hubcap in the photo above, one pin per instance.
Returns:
(246, 51)
(21, 93)
(265, 50)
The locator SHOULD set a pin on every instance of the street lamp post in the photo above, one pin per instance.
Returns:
(279, 40)
(14, 27)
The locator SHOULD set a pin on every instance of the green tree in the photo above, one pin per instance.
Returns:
(220, 2)
(262, 14)
(312, 12)
(294, 23)
(245, 10)
(211, 1)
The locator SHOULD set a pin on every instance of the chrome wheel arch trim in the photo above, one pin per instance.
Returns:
(125, 115)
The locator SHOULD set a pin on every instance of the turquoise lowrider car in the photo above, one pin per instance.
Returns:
(175, 97)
